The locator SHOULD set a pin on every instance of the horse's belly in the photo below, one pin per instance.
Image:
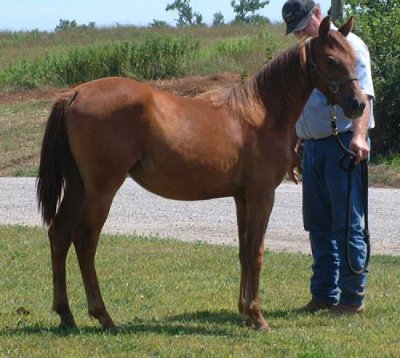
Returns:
(184, 183)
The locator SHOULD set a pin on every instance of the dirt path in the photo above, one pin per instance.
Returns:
(135, 210)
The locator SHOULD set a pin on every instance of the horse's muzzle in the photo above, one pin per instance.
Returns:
(354, 108)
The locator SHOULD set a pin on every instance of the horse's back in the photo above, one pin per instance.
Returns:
(100, 98)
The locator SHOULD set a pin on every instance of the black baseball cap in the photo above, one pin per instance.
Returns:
(296, 14)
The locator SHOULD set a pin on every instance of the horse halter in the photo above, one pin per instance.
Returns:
(334, 86)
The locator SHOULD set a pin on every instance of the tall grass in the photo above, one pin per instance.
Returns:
(66, 58)
(159, 57)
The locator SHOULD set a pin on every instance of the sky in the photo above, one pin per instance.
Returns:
(44, 15)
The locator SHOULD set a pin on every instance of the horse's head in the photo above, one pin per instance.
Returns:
(332, 67)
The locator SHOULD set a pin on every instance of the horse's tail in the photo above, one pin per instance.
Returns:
(53, 157)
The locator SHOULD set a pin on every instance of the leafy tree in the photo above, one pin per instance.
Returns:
(218, 19)
(90, 25)
(377, 23)
(65, 25)
(246, 11)
(186, 15)
(160, 24)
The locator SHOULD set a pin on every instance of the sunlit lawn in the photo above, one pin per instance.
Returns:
(179, 299)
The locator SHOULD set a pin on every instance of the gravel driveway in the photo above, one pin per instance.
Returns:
(135, 210)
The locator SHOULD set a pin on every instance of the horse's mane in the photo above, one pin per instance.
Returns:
(248, 99)
(243, 99)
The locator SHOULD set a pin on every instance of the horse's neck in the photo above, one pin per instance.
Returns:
(285, 86)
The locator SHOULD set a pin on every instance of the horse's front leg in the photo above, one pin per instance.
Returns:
(258, 212)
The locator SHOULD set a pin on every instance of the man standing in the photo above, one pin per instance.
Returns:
(325, 183)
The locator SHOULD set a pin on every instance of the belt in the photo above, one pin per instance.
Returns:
(330, 137)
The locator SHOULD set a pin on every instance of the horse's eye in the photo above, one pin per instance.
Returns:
(331, 62)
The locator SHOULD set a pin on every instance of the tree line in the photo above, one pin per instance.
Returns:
(245, 12)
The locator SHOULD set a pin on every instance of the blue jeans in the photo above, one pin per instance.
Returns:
(325, 186)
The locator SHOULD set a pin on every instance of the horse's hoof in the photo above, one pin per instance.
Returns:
(264, 328)
(67, 322)
(247, 321)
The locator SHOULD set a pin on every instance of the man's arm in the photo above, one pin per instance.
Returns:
(359, 144)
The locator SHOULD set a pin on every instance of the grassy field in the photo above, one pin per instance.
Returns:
(32, 45)
(22, 127)
(33, 59)
(179, 300)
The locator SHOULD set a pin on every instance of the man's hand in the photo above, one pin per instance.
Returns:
(360, 147)
(294, 169)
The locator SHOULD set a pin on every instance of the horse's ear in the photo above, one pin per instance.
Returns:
(346, 28)
(324, 26)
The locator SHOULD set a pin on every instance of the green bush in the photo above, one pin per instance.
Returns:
(161, 57)
(154, 58)
(246, 54)
(377, 23)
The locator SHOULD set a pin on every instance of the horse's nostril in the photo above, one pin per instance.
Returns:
(358, 105)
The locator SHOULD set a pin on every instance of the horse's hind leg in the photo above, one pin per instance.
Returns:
(98, 199)
(60, 236)
(241, 214)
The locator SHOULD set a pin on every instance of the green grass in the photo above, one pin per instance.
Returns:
(16, 46)
(386, 171)
(179, 299)
(157, 57)
(37, 59)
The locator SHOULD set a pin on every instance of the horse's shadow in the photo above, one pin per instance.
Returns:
(205, 323)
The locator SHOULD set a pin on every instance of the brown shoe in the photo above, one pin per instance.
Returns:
(342, 309)
(314, 306)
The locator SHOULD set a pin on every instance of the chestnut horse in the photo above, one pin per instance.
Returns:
(234, 142)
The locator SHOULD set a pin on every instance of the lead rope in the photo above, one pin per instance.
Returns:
(350, 157)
